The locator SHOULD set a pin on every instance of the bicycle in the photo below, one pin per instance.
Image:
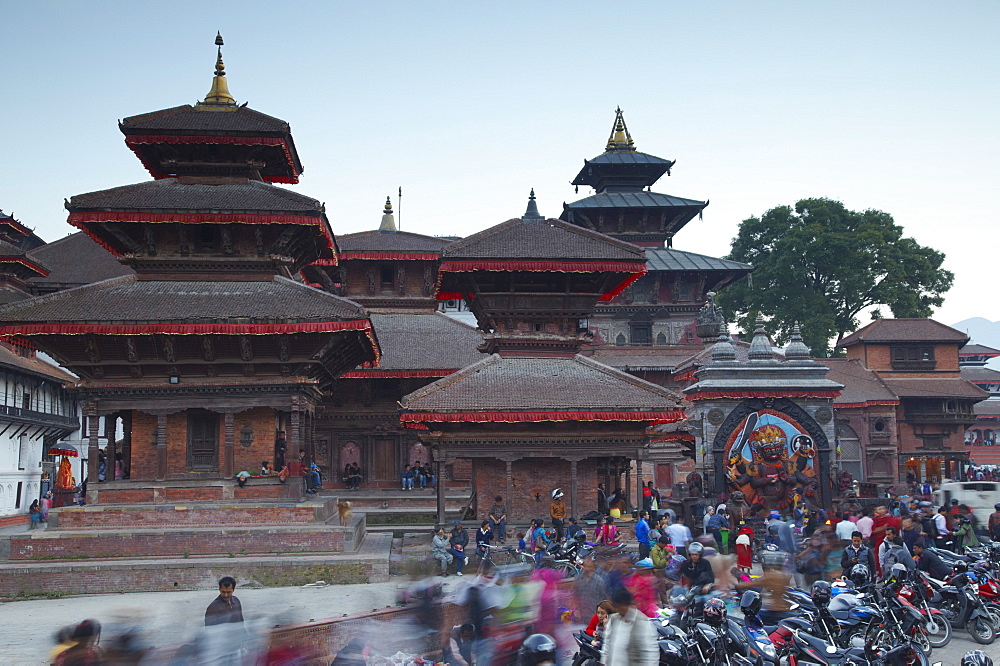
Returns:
(500, 556)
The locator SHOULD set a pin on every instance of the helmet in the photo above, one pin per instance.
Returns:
(960, 567)
(537, 649)
(695, 548)
(715, 611)
(997, 506)
(750, 603)
(897, 572)
(821, 593)
(557, 493)
(859, 575)
(976, 658)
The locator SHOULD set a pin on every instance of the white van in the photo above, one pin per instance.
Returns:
(980, 496)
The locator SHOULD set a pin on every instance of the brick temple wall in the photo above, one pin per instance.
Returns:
(533, 482)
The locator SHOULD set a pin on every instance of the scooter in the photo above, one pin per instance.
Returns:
(587, 654)
(961, 604)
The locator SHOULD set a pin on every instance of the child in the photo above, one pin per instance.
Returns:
(540, 539)
(265, 468)
(483, 537)
(521, 545)
(573, 529)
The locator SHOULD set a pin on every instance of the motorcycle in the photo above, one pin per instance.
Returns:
(587, 653)
(959, 601)
(936, 624)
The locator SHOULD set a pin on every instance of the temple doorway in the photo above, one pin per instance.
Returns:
(203, 440)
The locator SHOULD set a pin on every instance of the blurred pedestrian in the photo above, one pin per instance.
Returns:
(226, 608)
(630, 639)
(590, 587)
(644, 587)
(85, 649)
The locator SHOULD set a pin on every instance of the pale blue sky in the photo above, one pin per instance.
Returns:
(889, 105)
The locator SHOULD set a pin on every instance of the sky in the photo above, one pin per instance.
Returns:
(467, 106)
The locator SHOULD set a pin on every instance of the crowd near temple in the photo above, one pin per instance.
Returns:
(213, 338)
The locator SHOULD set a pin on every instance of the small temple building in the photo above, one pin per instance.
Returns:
(534, 414)
(207, 350)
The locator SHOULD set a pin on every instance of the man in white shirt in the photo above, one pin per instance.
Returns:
(845, 528)
(943, 539)
(630, 639)
(680, 536)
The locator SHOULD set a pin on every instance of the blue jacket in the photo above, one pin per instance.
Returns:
(642, 531)
(717, 522)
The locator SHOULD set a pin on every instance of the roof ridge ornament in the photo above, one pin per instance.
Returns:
(620, 140)
(531, 213)
(219, 94)
(797, 349)
(760, 346)
(723, 349)
(388, 225)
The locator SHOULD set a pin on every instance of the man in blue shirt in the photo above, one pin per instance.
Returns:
(642, 535)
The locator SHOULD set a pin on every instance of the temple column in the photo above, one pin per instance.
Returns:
(93, 445)
(295, 433)
(638, 484)
(628, 483)
(509, 480)
(110, 430)
(572, 489)
(227, 446)
(127, 444)
(161, 447)
(439, 472)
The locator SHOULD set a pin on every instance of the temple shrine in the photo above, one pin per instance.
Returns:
(209, 350)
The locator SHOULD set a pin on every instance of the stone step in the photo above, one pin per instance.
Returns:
(370, 564)
(183, 541)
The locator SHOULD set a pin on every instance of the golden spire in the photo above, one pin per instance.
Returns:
(219, 94)
(388, 225)
(620, 140)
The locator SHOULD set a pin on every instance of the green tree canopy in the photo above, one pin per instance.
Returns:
(822, 265)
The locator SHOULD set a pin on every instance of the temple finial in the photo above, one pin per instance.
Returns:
(388, 225)
(219, 94)
(620, 139)
(531, 213)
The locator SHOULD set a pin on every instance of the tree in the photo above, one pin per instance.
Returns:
(822, 265)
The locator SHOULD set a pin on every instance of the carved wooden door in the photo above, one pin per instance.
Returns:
(203, 440)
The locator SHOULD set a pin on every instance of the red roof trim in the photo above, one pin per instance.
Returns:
(402, 256)
(185, 329)
(80, 219)
(678, 437)
(394, 374)
(140, 139)
(15, 225)
(542, 266)
(24, 262)
(655, 417)
(741, 395)
(867, 403)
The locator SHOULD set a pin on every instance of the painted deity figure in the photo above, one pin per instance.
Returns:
(777, 467)
(64, 478)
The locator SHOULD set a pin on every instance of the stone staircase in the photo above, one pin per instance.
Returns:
(396, 511)
(165, 546)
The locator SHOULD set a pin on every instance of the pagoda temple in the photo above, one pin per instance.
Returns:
(207, 350)
(652, 322)
(534, 414)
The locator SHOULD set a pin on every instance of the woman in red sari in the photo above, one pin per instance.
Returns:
(744, 548)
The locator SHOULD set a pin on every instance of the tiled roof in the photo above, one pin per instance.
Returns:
(978, 373)
(500, 384)
(987, 408)
(628, 157)
(977, 350)
(541, 239)
(77, 260)
(704, 355)
(639, 199)
(169, 194)
(668, 259)
(400, 241)
(905, 330)
(665, 358)
(425, 341)
(192, 119)
(940, 387)
(128, 300)
(10, 294)
(36, 366)
(860, 384)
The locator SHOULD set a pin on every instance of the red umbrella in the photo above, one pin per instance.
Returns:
(63, 452)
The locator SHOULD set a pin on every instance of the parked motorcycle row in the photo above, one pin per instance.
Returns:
(896, 622)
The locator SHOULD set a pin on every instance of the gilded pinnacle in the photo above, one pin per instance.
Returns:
(219, 94)
(620, 139)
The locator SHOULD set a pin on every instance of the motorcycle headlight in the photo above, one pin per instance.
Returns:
(768, 649)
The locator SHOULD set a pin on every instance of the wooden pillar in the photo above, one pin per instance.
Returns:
(572, 490)
(295, 433)
(638, 484)
(439, 471)
(161, 447)
(110, 428)
(628, 482)
(93, 447)
(508, 497)
(127, 443)
(228, 461)
(608, 489)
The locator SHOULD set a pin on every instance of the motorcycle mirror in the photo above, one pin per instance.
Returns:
(794, 607)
